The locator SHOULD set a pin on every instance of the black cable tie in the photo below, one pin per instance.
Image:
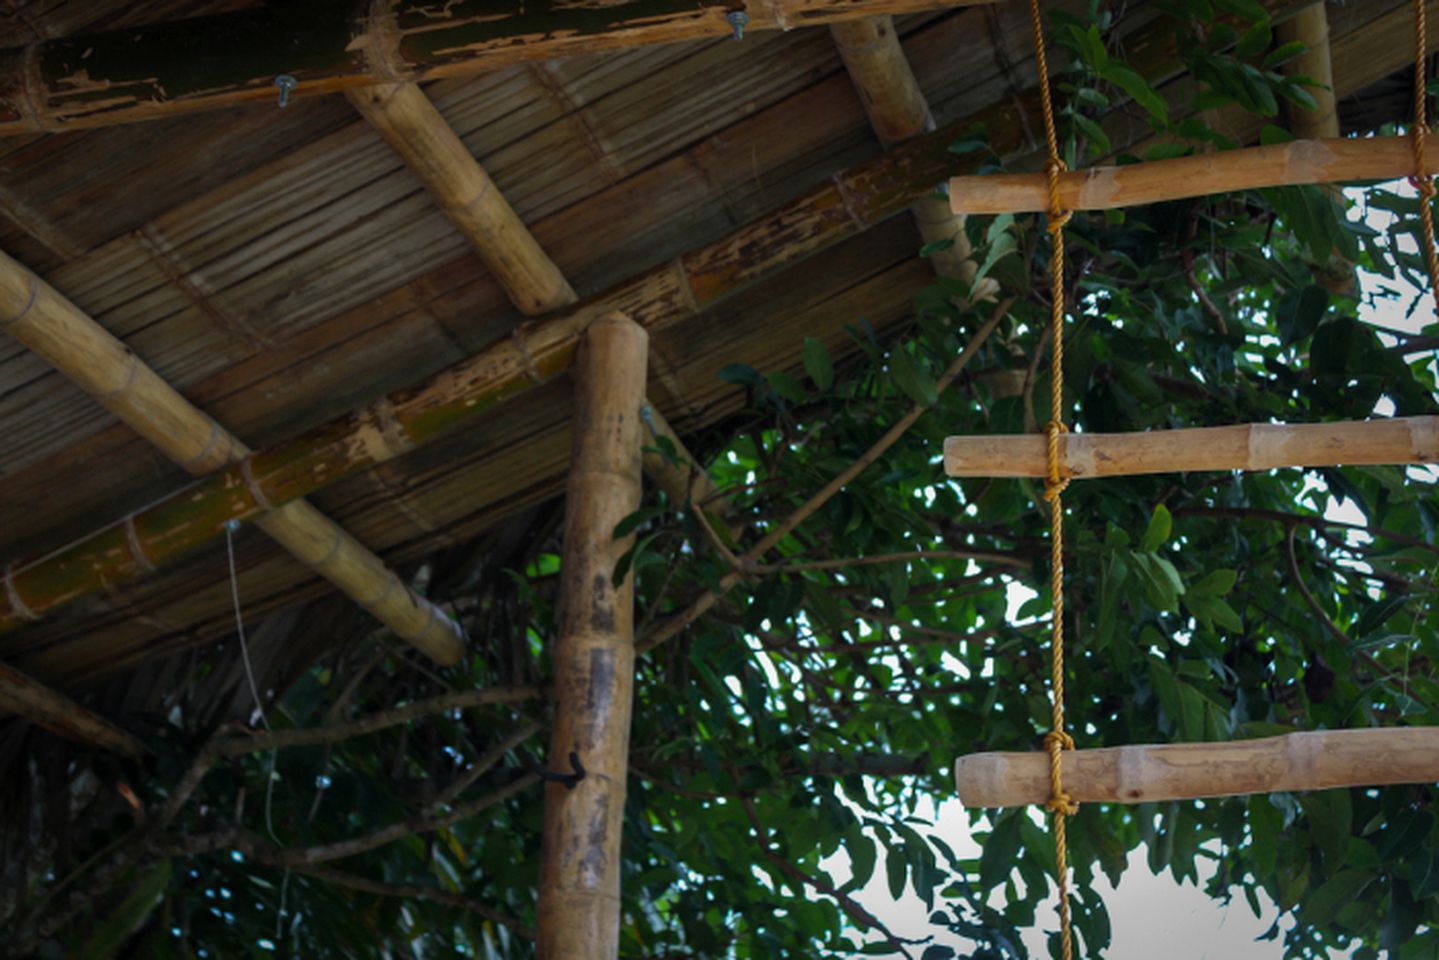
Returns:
(568, 779)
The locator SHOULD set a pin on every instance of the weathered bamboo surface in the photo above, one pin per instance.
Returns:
(1311, 28)
(45, 321)
(897, 112)
(594, 655)
(849, 203)
(1253, 446)
(26, 697)
(1146, 773)
(183, 66)
(409, 122)
(1104, 188)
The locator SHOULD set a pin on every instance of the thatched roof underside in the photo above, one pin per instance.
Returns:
(283, 267)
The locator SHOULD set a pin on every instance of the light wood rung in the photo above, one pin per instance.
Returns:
(1337, 160)
(1253, 446)
(1143, 773)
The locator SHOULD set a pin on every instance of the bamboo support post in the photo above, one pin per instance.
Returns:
(1155, 181)
(578, 914)
(836, 210)
(45, 321)
(409, 122)
(1310, 27)
(898, 112)
(1147, 773)
(203, 63)
(1254, 446)
(27, 697)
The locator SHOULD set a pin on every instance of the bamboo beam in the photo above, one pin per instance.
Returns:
(1311, 28)
(409, 122)
(579, 907)
(70, 340)
(202, 63)
(1154, 181)
(27, 697)
(1146, 773)
(898, 112)
(1253, 446)
(839, 208)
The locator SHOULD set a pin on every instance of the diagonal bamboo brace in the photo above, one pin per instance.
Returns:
(40, 317)
(1338, 160)
(1144, 773)
(1255, 446)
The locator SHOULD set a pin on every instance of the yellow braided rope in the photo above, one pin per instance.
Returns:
(1421, 179)
(1058, 740)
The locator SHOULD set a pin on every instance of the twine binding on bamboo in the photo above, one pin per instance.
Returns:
(13, 596)
(29, 303)
(247, 473)
(137, 552)
(527, 361)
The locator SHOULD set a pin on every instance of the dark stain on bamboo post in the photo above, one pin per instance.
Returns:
(595, 653)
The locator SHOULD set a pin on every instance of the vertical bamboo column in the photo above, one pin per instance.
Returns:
(594, 657)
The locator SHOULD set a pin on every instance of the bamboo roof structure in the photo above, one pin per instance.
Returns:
(378, 286)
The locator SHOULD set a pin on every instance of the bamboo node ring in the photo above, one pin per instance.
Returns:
(256, 494)
(29, 303)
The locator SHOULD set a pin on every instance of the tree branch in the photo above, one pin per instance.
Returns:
(414, 891)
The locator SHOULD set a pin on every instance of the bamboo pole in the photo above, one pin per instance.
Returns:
(409, 122)
(839, 208)
(45, 321)
(578, 914)
(898, 112)
(1146, 773)
(27, 697)
(1311, 28)
(1155, 181)
(1253, 446)
(202, 63)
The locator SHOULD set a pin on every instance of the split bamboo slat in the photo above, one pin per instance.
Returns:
(45, 321)
(594, 656)
(182, 66)
(898, 112)
(849, 202)
(1155, 181)
(1254, 446)
(409, 122)
(1146, 773)
(27, 697)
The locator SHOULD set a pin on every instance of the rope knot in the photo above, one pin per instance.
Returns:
(1056, 482)
(1057, 740)
(1425, 186)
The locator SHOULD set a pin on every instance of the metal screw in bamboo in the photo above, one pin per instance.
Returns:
(1155, 181)
(1144, 773)
(45, 321)
(594, 655)
(1254, 446)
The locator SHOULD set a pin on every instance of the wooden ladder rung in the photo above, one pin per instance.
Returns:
(1336, 160)
(1318, 760)
(1253, 446)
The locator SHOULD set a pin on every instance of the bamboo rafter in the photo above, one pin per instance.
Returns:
(1255, 446)
(1145, 773)
(38, 316)
(203, 63)
(838, 209)
(1338, 160)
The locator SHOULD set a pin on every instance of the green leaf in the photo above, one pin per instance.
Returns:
(1138, 88)
(1160, 525)
(911, 377)
(1254, 41)
(120, 924)
(1001, 848)
(1098, 139)
(936, 246)
(895, 864)
(1321, 906)
(1265, 825)
(1283, 53)
(1215, 583)
(1330, 822)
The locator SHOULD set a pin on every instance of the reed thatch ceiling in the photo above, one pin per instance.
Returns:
(284, 267)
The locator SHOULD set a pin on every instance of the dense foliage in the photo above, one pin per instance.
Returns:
(828, 691)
